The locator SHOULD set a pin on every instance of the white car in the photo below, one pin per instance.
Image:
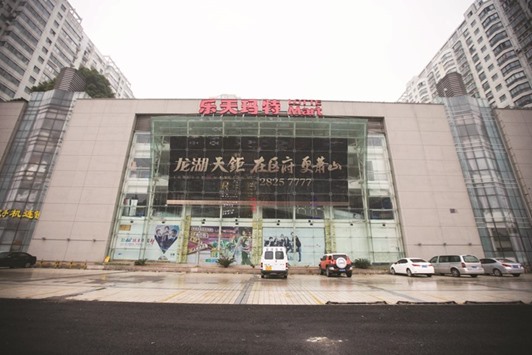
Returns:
(500, 266)
(411, 267)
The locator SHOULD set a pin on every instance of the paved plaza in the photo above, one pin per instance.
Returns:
(250, 289)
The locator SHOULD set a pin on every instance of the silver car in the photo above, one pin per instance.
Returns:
(500, 266)
(457, 265)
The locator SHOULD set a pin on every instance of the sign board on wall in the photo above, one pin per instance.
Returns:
(267, 107)
(281, 170)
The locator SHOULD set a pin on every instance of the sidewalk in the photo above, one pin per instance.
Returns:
(236, 285)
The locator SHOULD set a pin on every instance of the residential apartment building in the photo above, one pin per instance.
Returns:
(38, 38)
(491, 49)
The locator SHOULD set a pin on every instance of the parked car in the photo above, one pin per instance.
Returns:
(336, 264)
(411, 267)
(274, 262)
(16, 259)
(500, 266)
(457, 265)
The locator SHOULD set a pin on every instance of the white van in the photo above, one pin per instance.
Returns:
(274, 261)
(457, 265)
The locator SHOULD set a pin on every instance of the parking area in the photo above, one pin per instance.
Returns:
(225, 288)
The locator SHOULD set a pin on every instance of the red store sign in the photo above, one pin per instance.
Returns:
(296, 108)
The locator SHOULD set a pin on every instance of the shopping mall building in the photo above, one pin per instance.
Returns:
(186, 181)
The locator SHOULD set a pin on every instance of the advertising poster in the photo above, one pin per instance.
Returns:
(202, 244)
(303, 247)
(162, 245)
(237, 242)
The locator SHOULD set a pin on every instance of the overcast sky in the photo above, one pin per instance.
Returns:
(354, 50)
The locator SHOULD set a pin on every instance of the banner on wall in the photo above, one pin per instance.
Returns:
(202, 244)
(160, 244)
(303, 245)
(206, 246)
(237, 242)
(166, 236)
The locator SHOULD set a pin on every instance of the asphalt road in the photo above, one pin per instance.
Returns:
(79, 327)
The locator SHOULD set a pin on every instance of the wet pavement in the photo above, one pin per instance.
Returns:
(250, 289)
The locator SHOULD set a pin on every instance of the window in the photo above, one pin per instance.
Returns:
(483, 49)
(498, 87)
(502, 98)
(498, 37)
(45, 50)
(495, 77)
(41, 59)
(506, 57)
(490, 68)
(9, 77)
(501, 47)
(525, 100)
(36, 69)
(519, 89)
(496, 27)
(491, 19)
(511, 66)
(482, 76)
(380, 208)
(32, 80)
(515, 77)
(486, 11)
(476, 31)
(486, 58)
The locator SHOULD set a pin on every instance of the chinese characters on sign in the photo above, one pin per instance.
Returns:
(235, 165)
(15, 213)
(296, 108)
(257, 169)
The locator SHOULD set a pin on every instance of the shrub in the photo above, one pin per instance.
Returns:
(225, 260)
(362, 263)
(141, 262)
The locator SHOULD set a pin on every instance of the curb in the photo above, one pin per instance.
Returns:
(187, 268)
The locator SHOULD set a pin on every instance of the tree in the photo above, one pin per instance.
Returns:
(96, 85)
(44, 86)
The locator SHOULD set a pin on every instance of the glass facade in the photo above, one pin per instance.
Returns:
(500, 212)
(200, 187)
(28, 165)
